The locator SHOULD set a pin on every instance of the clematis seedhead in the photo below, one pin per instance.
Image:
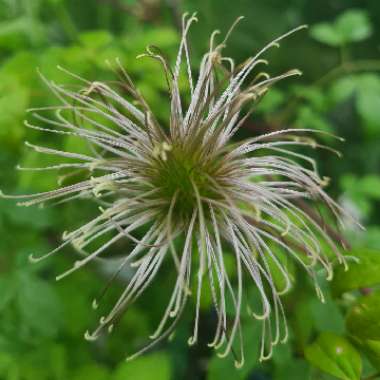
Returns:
(187, 191)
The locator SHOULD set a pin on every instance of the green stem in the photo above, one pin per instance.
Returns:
(350, 67)
(344, 68)
(344, 55)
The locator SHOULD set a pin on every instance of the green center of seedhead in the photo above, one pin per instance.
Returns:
(178, 174)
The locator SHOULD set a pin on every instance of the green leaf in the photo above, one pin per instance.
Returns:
(155, 366)
(39, 306)
(293, 369)
(343, 88)
(368, 107)
(354, 25)
(21, 65)
(13, 33)
(368, 102)
(368, 82)
(271, 100)
(219, 368)
(334, 355)
(14, 98)
(26, 216)
(96, 39)
(350, 85)
(301, 320)
(7, 290)
(91, 371)
(57, 356)
(45, 362)
(163, 37)
(327, 34)
(76, 145)
(75, 305)
(13, 26)
(29, 179)
(371, 237)
(286, 263)
(370, 186)
(363, 318)
(315, 97)
(307, 117)
(360, 274)
(327, 316)
(371, 348)
(6, 361)
(362, 191)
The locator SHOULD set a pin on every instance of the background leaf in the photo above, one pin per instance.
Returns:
(39, 306)
(354, 25)
(155, 366)
(351, 26)
(365, 273)
(327, 34)
(363, 318)
(333, 354)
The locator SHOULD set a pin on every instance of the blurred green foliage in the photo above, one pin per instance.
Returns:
(336, 356)
(42, 322)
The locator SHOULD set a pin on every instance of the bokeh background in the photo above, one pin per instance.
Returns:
(42, 322)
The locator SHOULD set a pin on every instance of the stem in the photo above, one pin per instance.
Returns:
(344, 55)
(350, 67)
(343, 68)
